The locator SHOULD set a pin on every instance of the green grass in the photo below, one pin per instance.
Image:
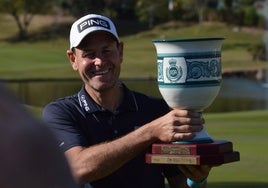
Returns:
(140, 51)
(248, 132)
(35, 60)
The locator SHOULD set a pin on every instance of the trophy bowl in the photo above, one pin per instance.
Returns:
(189, 74)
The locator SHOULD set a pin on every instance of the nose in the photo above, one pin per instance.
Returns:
(99, 59)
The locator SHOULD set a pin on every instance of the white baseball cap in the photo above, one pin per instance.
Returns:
(88, 24)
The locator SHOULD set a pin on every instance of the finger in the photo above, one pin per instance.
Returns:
(185, 171)
(187, 113)
(189, 121)
(196, 173)
(182, 136)
(187, 129)
(202, 169)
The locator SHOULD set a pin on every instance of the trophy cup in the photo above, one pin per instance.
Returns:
(189, 77)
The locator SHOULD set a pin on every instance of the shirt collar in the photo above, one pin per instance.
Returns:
(128, 103)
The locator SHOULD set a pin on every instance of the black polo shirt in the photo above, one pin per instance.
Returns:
(78, 121)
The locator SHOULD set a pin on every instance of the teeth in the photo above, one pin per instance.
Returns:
(102, 72)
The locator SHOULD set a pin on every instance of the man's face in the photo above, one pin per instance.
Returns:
(98, 60)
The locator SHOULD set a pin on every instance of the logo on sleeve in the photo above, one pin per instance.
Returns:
(61, 144)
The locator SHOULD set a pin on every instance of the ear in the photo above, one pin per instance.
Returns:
(71, 57)
(121, 50)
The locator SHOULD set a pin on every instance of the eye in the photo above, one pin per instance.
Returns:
(107, 51)
(90, 55)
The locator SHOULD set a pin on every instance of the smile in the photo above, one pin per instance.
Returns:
(101, 72)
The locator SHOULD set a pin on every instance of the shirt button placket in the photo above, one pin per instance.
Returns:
(115, 131)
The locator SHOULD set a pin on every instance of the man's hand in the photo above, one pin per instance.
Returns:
(177, 125)
(194, 172)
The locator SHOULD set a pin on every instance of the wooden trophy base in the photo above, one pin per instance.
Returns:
(214, 153)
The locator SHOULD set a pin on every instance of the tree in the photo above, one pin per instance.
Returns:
(151, 11)
(23, 12)
(79, 8)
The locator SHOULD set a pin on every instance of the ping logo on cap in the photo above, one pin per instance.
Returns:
(93, 22)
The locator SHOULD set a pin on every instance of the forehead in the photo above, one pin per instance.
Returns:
(96, 38)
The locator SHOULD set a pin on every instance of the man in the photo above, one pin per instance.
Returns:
(106, 129)
(29, 155)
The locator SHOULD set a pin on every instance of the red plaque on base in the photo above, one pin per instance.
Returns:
(215, 159)
(218, 146)
(214, 153)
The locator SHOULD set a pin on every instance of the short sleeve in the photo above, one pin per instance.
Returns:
(63, 122)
